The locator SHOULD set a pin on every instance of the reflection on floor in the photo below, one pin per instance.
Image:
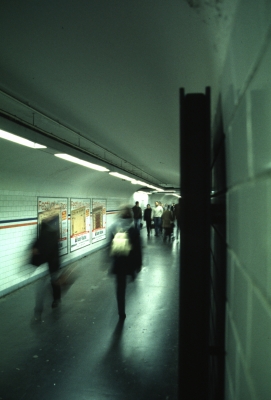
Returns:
(80, 351)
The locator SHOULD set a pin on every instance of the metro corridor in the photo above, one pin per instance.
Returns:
(80, 350)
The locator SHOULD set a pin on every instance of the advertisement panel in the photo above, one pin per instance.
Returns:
(55, 210)
(98, 220)
(80, 223)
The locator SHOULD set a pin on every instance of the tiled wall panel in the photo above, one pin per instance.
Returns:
(260, 364)
(246, 102)
(237, 148)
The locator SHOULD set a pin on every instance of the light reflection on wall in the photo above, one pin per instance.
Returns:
(142, 198)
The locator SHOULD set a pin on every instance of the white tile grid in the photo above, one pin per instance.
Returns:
(260, 361)
(249, 205)
(246, 44)
(115, 203)
(249, 244)
(260, 94)
(238, 146)
(231, 351)
(237, 365)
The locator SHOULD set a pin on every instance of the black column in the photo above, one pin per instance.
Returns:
(195, 244)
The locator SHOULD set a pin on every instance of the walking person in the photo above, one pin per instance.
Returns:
(137, 211)
(157, 212)
(127, 255)
(167, 221)
(47, 248)
(147, 218)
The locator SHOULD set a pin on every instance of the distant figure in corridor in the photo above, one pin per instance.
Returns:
(167, 221)
(147, 218)
(177, 214)
(157, 212)
(137, 215)
(126, 252)
(47, 247)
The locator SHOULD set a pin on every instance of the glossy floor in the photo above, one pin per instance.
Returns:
(80, 350)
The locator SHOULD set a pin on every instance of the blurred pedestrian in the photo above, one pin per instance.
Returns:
(47, 248)
(178, 213)
(126, 253)
(147, 218)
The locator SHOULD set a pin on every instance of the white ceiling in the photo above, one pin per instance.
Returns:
(111, 70)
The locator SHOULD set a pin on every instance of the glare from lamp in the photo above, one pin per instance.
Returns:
(135, 182)
(19, 140)
(156, 188)
(86, 164)
(121, 176)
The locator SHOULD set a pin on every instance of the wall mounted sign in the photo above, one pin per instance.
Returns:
(80, 223)
(98, 220)
(55, 210)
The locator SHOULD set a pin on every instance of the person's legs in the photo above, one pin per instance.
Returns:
(148, 224)
(41, 287)
(56, 289)
(137, 223)
(156, 226)
(166, 233)
(120, 289)
(178, 229)
(160, 225)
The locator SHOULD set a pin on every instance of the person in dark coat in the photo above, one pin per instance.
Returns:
(47, 246)
(128, 262)
(167, 220)
(137, 215)
(147, 218)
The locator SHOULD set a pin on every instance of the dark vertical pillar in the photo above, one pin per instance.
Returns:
(195, 245)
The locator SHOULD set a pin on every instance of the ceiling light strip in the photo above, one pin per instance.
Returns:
(87, 164)
(19, 140)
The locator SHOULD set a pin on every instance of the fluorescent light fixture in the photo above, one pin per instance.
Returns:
(135, 182)
(20, 140)
(76, 160)
(121, 176)
(165, 191)
(156, 188)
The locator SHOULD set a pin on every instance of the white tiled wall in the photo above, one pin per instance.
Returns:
(246, 99)
(18, 229)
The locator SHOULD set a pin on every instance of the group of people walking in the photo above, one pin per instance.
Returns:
(160, 218)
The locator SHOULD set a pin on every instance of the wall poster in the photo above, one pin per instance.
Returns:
(56, 211)
(98, 220)
(80, 223)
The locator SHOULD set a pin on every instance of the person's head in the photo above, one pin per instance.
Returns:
(156, 204)
(137, 203)
(125, 212)
(148, 206)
